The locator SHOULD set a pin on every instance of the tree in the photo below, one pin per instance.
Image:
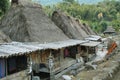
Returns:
(98, 16)
(71, 1)
(4, 5)
(103, 25)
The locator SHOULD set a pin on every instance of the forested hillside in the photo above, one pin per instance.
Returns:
(98, 16)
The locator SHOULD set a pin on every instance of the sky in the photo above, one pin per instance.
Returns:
(49, 2)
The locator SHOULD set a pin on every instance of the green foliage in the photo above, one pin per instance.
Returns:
(98, 16)
(4, 5)
(71, 1)
(116, 24)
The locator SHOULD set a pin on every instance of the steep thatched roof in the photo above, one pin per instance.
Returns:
(70, 26)
(88, 30)
(27, 22)
(109, 29)
(4, 38)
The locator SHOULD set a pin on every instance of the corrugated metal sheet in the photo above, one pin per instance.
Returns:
(61, 44)
(90, 44)
(30, 46)
(93, 38)
(18, 48)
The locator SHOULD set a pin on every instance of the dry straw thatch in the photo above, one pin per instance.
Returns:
(4, 38)
(26, 22)
(110, 29)
(71, 26)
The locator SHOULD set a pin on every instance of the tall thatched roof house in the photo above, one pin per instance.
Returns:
(27, 22)
(109, 30)
(70, 26)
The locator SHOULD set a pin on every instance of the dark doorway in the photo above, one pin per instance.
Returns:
(43, 75)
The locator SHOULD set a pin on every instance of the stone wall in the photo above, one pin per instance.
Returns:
(17, 76)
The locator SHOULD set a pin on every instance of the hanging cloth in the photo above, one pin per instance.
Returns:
(2, 68)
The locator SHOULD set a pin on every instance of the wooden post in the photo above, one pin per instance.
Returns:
(78, 51)
(39, 56)
(6, 68)
(51, 66)
(61, 56)
(87, 52)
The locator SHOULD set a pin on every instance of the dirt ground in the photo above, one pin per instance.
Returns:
(108, 70)
(117, 76)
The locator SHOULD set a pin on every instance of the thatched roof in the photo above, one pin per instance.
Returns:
(88, 30)
(70, 26)
(4, 38)
(109, 29)
(27, 22)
